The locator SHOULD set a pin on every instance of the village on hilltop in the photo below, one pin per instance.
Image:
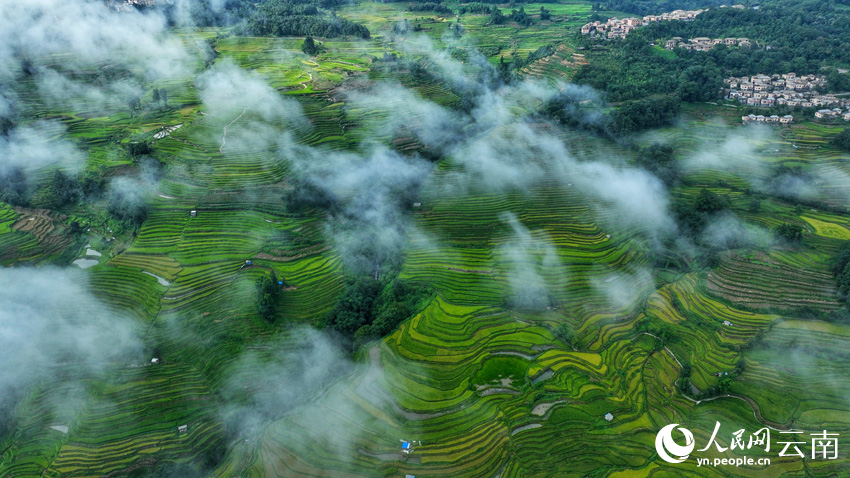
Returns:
(619, 28)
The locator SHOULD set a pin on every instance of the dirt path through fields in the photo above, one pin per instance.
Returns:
(224, 131)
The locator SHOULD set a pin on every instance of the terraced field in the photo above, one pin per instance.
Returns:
(506, 40)
(760, 282)
(546, 310)
(549, 399)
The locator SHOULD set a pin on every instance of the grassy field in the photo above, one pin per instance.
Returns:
(489, 389)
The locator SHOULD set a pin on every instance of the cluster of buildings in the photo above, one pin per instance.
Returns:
(787, 119)
(778, 90)
(705, 43)
(834, 113)
(619, 28)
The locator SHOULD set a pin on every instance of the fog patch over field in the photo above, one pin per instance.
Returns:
(727, 231)
(623, 289)
(84, 58)
(369, 226)
(733, 150)
(373, 222)
(494, 143)
(38, 145)
(130, 193)
(128, 197)
(531, 263)
(266, 386)
(89, 32)
(803, 354)
(48, 317)
(253, 115)
(637, 198)
(228, 90)
(440, 61)
(53, 328)
(747, 151)
(299, 384)
(409, 114)
(65, 93)
(501, 149)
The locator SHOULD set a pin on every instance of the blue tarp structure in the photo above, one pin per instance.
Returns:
(405, 445)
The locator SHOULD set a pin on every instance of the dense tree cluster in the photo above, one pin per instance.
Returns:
(542, 52)
(271, 17)
(496, 16)
(8, 421)
(7, 124)
(649, 113)
(575, 109)
(7, 118)
(208, 13)
(356, 306)
(654, 7)
(371, 309)
(430, 7)
(475, 7)
(268, 290)
(309, 47)
(801, 33)
(305, 194)
(127, 206)
(842, 140)
(140, 147)
(693, 216)
(790, 232)
(298, 25)
(631, 70)
(659, 160)
(402, 28)
(578, 110)
(65, 189)
(160, 95)
(841, 270)
(14, 187)
(661, 331)
(298, 18)
(567, 333)
(518, 16)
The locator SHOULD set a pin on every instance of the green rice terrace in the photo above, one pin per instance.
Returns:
(385, 258)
